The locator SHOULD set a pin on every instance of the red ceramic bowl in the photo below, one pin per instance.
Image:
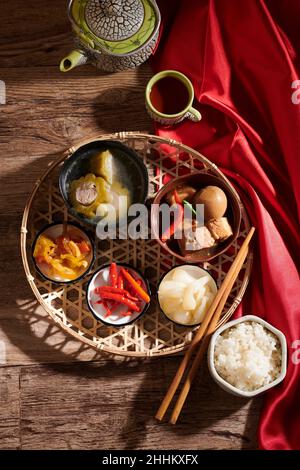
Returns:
(233, 213)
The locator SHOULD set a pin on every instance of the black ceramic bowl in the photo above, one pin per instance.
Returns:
(99, 278)
(54, 230)
(132, 171)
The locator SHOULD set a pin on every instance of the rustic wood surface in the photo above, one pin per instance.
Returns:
(54, 392)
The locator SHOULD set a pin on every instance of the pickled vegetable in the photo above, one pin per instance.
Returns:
(102, 190)
(93, 194)
(102, 165)
(184, 191)
(186, 293)
(62, 256)
(44, 249)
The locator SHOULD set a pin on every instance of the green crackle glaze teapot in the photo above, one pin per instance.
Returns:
(112, 34)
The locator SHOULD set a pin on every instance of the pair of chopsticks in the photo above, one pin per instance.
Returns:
(204, 333)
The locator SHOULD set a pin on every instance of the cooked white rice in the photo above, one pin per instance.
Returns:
(248, 356)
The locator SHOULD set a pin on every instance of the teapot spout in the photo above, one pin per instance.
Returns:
(72, 60)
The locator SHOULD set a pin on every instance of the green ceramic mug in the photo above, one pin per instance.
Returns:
(169, 98)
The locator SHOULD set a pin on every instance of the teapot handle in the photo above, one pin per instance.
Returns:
(72, 60)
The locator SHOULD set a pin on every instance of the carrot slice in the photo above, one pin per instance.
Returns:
(138, 289)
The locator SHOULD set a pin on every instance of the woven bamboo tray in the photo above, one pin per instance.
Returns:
(153, 334)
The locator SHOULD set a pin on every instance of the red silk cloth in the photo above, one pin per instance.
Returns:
(242, 57)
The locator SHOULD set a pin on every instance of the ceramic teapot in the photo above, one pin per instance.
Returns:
(112, 34)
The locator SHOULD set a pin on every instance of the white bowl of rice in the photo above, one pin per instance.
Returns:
(247, 356)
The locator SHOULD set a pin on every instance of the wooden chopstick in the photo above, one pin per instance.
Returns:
(204, 345)
(229, 278)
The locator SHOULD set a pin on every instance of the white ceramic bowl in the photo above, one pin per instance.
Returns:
(227, 386)
(100, 278)
(191, 269)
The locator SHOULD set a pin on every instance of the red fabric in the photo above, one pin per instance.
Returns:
(242, 58)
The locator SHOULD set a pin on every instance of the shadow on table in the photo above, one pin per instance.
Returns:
(207, 410)
(22, 319)
(109, 104)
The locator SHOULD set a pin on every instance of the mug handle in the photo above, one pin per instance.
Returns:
(194, 115)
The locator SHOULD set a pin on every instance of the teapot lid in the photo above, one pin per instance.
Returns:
(116, 27)
(114, 20)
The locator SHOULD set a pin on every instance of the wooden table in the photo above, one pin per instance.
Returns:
(54, 392)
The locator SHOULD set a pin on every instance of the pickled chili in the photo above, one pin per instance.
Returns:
(135, 286)
(120, 282)
(107, 309)
(115, 290)
(128, 313)
(122, 289)
(113, 275)
(122, 299)
(178, 218)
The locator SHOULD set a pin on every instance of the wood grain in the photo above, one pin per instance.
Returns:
(55, 392)
(116, 409)
(33, 33)
(9, 408)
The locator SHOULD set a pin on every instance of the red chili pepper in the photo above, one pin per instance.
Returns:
(138, 289)
(40, 259)
(177, 198)
(127, 314)
(108, 310)
(178, 217)
(114, 305)
(84, 247)
(113, 275)
(130, 288)
(115, 290)
(121, 299)
(120, 282)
